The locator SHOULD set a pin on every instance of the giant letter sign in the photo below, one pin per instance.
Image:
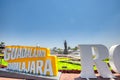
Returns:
(115, 58)
(87, 61)
(32, 60)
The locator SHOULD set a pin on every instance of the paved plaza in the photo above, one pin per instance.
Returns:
(71, 76)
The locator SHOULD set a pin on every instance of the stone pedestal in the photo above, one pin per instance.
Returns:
(65, 51)
(11, 74)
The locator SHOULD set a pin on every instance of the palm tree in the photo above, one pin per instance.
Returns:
(2, 46)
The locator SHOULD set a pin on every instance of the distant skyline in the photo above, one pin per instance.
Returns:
(50, 22)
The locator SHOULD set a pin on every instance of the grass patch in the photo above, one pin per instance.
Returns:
(3, 62)
(1, 54)
(63, 61)
(69, 66)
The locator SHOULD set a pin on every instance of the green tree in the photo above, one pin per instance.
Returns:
(2, 46)
(59, 51)
(69, 48)
(54, 48)
(75, 48)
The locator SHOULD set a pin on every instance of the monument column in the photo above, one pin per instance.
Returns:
(65, 48)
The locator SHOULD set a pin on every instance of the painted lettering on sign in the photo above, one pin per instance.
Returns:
(31, 60)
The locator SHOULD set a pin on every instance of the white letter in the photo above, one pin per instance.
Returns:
(41, 53)
(23, 67)
(39, 67)
(32, 68)
(28, 70)
(34, 53)
(18, 55)
(115, 58)
(9, 66)
(101, 54)
(48, 67)
(7, 54)
(13, 53)
(86, 62)
(29, 52)
(23, 52)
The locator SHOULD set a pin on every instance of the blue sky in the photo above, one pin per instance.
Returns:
(50, 22)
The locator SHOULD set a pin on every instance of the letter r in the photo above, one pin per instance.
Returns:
(87, 61)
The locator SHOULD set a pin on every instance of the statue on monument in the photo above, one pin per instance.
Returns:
(65, 48)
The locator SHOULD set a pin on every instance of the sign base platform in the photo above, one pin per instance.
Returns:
(11, 74)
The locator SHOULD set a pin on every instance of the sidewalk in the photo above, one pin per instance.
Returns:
(71, 76)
